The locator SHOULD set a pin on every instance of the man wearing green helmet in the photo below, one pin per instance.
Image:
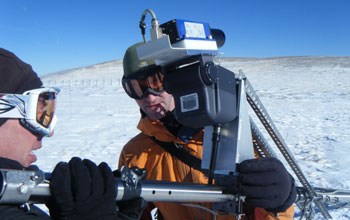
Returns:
(268, 187)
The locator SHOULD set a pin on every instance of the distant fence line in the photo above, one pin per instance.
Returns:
(83, 83)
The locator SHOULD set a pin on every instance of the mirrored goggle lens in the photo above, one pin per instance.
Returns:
(46, 108)
(136, 88)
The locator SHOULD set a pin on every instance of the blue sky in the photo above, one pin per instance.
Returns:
(54, 35)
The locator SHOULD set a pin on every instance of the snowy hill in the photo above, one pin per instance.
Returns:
(307, 97)
(108, 69)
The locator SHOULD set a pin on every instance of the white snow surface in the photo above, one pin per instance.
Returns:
(307, 97)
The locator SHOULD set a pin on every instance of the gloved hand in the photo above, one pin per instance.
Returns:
(82, 190)
(267, 184)
(131, 209)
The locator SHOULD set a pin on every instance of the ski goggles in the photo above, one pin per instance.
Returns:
(148, 82)
(35, 109)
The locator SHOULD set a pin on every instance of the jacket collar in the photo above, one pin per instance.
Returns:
(10, 164)
(6, 163)
(156, 129)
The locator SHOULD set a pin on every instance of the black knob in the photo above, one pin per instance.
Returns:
(210, 74)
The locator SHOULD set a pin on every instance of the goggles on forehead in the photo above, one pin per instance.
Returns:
(139, 86)
(35, 109)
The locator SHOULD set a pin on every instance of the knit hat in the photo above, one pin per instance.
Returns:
(16, 76)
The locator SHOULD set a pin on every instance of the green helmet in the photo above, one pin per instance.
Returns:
(131, 63)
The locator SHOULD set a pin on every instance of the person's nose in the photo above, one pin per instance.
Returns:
(150, 97)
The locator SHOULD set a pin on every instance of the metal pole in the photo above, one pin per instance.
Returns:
(154, 191)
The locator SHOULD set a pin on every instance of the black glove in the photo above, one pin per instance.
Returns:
(131, 209)
(82, 190)
(267, 184)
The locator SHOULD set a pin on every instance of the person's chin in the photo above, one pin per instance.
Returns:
(156, 115)
(31, 158)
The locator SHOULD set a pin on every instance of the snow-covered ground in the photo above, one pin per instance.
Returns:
(307, 97)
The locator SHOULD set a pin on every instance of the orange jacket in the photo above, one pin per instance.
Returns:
(143, 152)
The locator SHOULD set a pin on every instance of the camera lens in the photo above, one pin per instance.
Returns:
(219, 36)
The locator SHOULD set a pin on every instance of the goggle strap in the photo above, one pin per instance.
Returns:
(12, 106)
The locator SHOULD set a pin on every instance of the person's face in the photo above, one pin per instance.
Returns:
(18, 143)
(156, 106)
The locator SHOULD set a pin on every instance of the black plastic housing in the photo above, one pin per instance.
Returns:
(204, 93)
